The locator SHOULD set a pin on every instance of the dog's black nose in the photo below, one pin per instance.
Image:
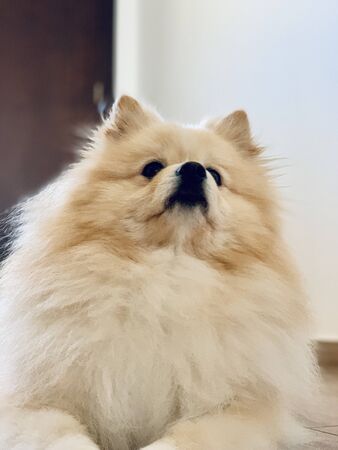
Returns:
(192, 172)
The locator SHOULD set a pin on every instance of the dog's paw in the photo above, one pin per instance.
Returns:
(160, 445)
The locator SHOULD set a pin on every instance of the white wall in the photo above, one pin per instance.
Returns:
(278, 60)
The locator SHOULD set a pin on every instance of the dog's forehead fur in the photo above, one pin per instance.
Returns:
(176, 143)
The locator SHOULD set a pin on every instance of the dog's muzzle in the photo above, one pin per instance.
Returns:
(190, 191)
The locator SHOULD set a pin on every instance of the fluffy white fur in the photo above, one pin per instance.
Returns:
(120, 331)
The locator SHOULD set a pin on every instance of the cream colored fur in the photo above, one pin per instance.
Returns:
(123, 324)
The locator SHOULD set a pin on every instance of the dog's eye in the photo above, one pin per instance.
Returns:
(151, 169)
(217, 177)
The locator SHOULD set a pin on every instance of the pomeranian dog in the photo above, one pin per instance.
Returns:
(148, 299)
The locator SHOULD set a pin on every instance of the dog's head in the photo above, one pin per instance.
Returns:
(153, 184)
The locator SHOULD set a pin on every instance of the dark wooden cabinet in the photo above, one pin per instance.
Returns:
(51, 55)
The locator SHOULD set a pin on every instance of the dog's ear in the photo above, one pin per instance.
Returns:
(127, 115)
(236, 128)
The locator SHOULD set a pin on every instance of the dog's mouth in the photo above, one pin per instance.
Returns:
(188, 196)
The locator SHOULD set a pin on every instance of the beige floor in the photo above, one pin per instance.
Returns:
(323, 422)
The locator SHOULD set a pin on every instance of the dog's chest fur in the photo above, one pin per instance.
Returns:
(157, 347)
(126, 347)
